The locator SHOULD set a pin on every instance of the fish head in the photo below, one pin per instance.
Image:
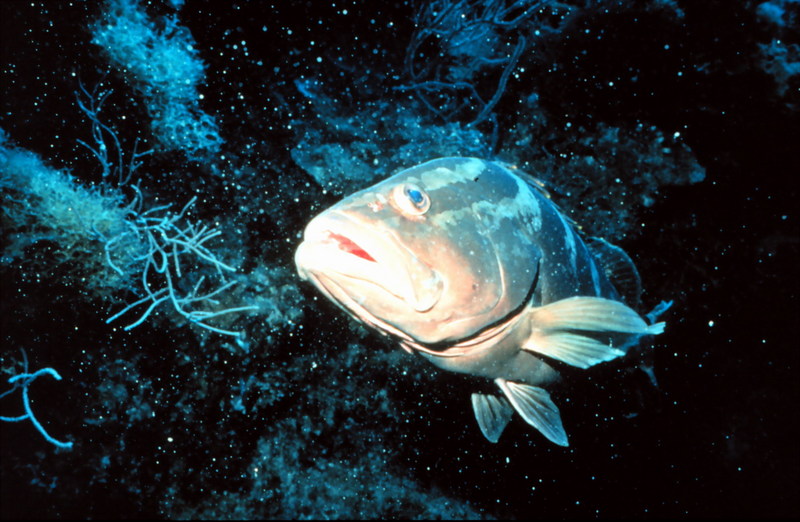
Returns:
(431, 254)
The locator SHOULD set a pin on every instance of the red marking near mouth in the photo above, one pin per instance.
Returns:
(349, 246)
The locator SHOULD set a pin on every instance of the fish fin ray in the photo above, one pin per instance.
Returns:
(536, 408)
(492, 413)
(580, 331)
(573, 349)
(595, 314)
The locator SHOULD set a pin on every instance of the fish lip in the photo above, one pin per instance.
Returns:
(320, 231)
(339, 295)
(389, 269)
(340, 225)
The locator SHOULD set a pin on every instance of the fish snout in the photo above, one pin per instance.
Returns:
(366, 262)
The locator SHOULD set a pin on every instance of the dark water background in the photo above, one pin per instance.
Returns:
(348, 428)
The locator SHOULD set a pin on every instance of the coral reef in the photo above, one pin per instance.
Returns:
(228, 390)
(52, 223)
(780, 57)
(345, 149)
(162, 64)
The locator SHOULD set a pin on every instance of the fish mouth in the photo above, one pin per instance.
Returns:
(366, 263)
(346, 244)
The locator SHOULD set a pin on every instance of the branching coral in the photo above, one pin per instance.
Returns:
(137, 244)
(23, 381)
(169, 242)
(457, 43)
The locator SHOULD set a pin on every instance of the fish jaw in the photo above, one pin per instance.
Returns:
(366, 264)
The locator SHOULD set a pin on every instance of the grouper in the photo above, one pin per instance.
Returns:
(469, 264)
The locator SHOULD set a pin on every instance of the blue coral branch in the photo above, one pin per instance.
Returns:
(23, 380)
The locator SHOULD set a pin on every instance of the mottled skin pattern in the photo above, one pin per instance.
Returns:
(468, 263)
(490, 234)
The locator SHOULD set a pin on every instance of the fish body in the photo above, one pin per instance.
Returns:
(468, 263)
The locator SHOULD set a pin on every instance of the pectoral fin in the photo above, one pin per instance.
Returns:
(581, 331)
(536, 407)
(492, 413)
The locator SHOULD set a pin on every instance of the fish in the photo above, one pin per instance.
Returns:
(469, 264)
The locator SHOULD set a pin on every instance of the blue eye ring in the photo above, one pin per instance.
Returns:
(410, 199)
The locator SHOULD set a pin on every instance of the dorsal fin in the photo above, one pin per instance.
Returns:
(619, 269)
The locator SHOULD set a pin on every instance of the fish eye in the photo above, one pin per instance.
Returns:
(411, 199)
